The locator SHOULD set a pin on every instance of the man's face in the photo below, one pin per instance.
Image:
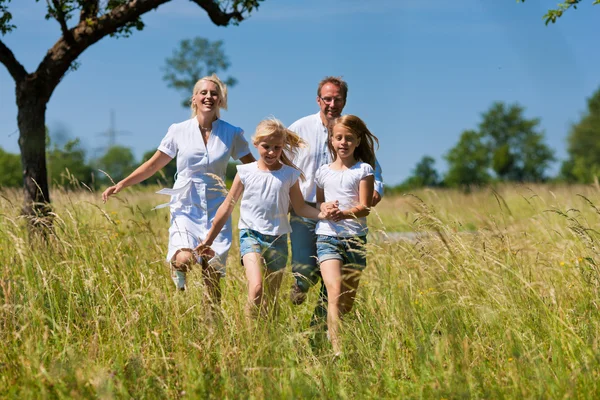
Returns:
(331, 102)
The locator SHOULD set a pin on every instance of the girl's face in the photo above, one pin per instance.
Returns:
(344, 142)
(269, 150)
(206, 98)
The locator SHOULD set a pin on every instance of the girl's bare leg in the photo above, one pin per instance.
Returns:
(212, 283)
(350, 281)
(272, 284)
(253, 263)
(331, 271)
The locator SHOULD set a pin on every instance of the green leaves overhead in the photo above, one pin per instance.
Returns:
(194, 59)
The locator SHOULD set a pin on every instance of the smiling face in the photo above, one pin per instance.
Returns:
(344, 142)
(206, 99)
(331, 101)
(269, 151)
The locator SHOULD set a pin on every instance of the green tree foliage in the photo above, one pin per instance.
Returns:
(423, 175)
(554, 13)
(516, 145)
(194, 59)
(468, 161)
(118, 162)
(82, 23)
(583, 164)
(67, 167)
(10, 165)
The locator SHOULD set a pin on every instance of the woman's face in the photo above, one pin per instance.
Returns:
(206, 99)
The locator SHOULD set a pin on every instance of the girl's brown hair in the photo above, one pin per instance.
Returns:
(365, 151)
(291, 141)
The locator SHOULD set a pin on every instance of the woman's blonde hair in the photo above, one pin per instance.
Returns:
(291, 141)
(365, 151)
(221, 88)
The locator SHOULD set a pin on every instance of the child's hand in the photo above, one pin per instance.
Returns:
(203, 250)
(331, 210)
(330, 205)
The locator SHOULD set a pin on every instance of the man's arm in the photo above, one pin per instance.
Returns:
(378, 192)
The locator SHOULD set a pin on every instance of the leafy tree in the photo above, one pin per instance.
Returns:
(583, 148)
(468, 161)
(424, 174)
(10, 165)
(554, 13)
(67, 166)
(82, 23)
(516, 146)
(194, 59)
(118, 162)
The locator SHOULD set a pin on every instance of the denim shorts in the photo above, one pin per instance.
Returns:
(352, 251)
(274, 249)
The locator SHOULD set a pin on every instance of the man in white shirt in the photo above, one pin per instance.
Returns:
(331, 98)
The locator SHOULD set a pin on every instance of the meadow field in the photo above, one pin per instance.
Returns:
(497, 295)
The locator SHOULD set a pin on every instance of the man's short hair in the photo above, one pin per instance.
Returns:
(337, 81)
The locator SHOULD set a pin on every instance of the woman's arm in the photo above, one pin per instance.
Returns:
(248, 158)
(300, 207)
(365, 196)
(223, 213)
(143, 172)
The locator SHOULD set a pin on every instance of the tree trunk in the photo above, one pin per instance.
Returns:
(31, 102)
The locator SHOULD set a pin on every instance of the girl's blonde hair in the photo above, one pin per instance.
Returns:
(365, 151)
(221, 89)
(291, 142)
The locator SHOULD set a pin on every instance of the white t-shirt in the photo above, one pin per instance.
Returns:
(316, 154)
(266, 198)
(343, 185)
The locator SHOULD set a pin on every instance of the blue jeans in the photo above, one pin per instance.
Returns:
(273, 249)
(304, 251)
(351, 251)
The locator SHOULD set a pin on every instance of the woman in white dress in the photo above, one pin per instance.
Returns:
(203, 146)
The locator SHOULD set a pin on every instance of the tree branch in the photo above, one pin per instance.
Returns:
(87, 32)
(60, 17)
(216, 14)
(16, 70)
(89, 9)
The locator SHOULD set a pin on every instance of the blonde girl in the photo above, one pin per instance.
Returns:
(341, 241)
(267, 187)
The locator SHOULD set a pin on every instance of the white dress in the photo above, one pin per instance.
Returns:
(199, 187)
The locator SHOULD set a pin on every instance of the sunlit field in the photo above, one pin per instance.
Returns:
(494, 294)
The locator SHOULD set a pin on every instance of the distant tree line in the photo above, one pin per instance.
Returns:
(68, 168)
(507, 147)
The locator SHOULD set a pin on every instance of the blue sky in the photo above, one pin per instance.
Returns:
(419, 72)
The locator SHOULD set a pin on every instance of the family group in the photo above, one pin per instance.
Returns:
(315, 181)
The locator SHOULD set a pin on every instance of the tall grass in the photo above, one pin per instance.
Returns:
(497, 297)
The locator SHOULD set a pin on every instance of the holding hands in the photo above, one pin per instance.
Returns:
(330, 210)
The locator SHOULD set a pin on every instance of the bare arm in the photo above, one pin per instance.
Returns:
(300, 207)
(143, 172)
(248, 158)
(378, 192)
(223, 213)
(365, 195)
(330, 208)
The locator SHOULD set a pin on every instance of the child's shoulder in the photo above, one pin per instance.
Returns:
(363, 168)
(246, 167)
